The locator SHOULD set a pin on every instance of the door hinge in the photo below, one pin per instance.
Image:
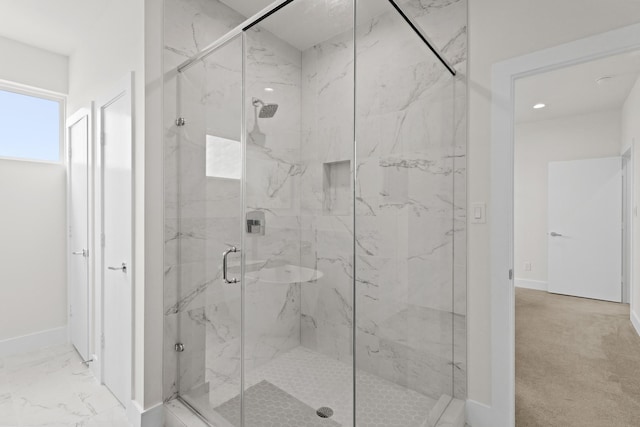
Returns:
(70, 311)
(102, 138)
(102, 240)
(179, 347)
(180, 121)
(102, 341)
(510, 274)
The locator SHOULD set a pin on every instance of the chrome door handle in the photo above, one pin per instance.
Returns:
(554, 234)
(84, 253)
(226, 253)
(122, 268)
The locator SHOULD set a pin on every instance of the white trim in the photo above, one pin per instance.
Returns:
(478, 414)
(629, 197)
(538, 285)
(32, 342)
(635, 321)
(151, 417)
(504, 74)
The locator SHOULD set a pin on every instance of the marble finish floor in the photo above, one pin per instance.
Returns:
(318, 380)
(52, 388)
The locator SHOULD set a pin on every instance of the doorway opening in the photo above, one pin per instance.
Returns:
(573, 243)
(505, 76)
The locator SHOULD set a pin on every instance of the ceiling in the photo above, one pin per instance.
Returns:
(306, 23)
(573, 90)
(51, 25)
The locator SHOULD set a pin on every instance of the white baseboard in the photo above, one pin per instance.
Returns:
(151, 417)
(32, 342)
(478, 414)
(538, 285)
(635, 321)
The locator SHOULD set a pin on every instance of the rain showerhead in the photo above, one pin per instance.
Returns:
(266, 110)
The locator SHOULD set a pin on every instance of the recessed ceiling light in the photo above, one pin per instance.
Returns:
(539, 106)
(268, 89)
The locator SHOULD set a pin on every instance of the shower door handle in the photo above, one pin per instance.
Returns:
(226, 253)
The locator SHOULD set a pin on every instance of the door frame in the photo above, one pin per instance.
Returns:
(123, 88)
(504, 75)
(70, 121)
(628, 201)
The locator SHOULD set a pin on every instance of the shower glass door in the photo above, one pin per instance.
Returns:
(298, 201)
(209, 153)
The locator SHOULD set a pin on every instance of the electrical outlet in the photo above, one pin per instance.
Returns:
(527, 266)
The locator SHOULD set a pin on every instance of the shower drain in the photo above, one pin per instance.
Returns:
(324, 412)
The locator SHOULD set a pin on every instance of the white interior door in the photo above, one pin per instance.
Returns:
(78, 143)
(117, 270)
(585, 222)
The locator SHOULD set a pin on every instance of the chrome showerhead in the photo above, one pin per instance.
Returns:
(266, 110)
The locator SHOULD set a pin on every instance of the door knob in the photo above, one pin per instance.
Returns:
(122, 268)
(84, 253)
(554, 234)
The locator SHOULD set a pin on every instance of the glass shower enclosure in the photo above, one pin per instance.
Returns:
(315, 221)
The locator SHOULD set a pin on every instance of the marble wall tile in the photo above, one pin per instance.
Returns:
(410, 149)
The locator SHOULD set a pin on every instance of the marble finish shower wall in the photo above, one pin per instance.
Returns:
(326, 197)
(409, 200)
(272, 304)
(445, 22)
(203, 215)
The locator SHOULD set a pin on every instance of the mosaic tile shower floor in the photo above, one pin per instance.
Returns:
(268, 406)
(317, 380)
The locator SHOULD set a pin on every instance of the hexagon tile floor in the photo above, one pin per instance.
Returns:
(316, 381)
(269, 406)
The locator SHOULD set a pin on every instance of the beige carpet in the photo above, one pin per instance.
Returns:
(577, 362)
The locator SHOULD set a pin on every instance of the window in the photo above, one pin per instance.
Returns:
(224, 158)
(30, 125)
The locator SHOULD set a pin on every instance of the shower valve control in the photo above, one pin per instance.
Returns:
(256, 223)
(254, 226)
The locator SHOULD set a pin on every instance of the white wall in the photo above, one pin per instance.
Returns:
(25, 64)
(631, 137)
(537, 143)
(33, 275)
(498, 30)
(114, 48)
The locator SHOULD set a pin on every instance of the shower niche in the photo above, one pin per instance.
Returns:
(336, 188)
(323, 155)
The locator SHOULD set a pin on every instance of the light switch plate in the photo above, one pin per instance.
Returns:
(478, 213)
